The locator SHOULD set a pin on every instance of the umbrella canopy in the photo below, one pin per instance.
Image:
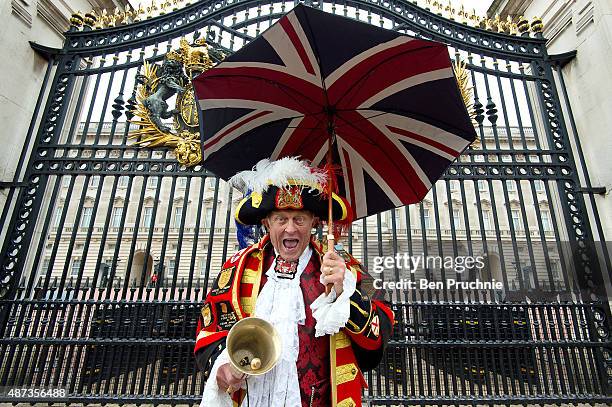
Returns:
(389, 102)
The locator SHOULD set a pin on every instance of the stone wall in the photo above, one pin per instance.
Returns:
(23, 70)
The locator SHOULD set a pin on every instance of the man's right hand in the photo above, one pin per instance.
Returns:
(227, 377)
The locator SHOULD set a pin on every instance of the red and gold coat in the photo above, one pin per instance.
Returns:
(357, 347)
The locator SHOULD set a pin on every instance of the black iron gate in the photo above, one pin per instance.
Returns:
(108, 248)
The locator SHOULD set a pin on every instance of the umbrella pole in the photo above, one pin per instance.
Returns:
(330, 190)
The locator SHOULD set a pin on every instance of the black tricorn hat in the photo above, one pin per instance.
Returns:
(254, 207)
(286, 184)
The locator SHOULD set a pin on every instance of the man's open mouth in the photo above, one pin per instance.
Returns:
(290, 243)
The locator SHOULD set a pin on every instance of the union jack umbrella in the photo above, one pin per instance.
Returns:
(387, 104)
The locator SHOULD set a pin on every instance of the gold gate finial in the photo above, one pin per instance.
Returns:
(153, 8)
(537, 26)
(506, 25)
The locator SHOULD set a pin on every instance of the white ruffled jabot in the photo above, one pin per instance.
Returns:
(281, 303)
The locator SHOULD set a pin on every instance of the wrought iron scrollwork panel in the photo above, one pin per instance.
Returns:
(407, 15)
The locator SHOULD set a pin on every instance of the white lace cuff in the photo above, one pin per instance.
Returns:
(213, 396)
(331, 313)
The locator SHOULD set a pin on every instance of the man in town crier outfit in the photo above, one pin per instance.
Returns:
(327, 340)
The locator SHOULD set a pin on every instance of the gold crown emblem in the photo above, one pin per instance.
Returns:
(174, 56)
(193, 58)
(289, 198)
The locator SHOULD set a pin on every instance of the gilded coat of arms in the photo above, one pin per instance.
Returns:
(156, 87)
(289, 198)
(224, 277)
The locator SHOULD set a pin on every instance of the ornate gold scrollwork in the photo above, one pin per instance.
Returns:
(158, 84)
(463, 81)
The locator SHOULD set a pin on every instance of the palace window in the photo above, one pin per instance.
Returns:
(152, 182)
(546, 225)
(94, 181)
(76, 265)
(178, 216)
(539, 185)
(86, 217)
(147, 218)
(116, 216)
(516, 219)
(457, 218)
(58, 216)
(208, 217)
(171, 268)
(486, 220)
(123, 181)
(427, 218)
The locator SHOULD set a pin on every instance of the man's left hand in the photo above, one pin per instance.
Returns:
(332, 269)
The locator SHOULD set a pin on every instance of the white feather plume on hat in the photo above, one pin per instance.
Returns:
(280, 173)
